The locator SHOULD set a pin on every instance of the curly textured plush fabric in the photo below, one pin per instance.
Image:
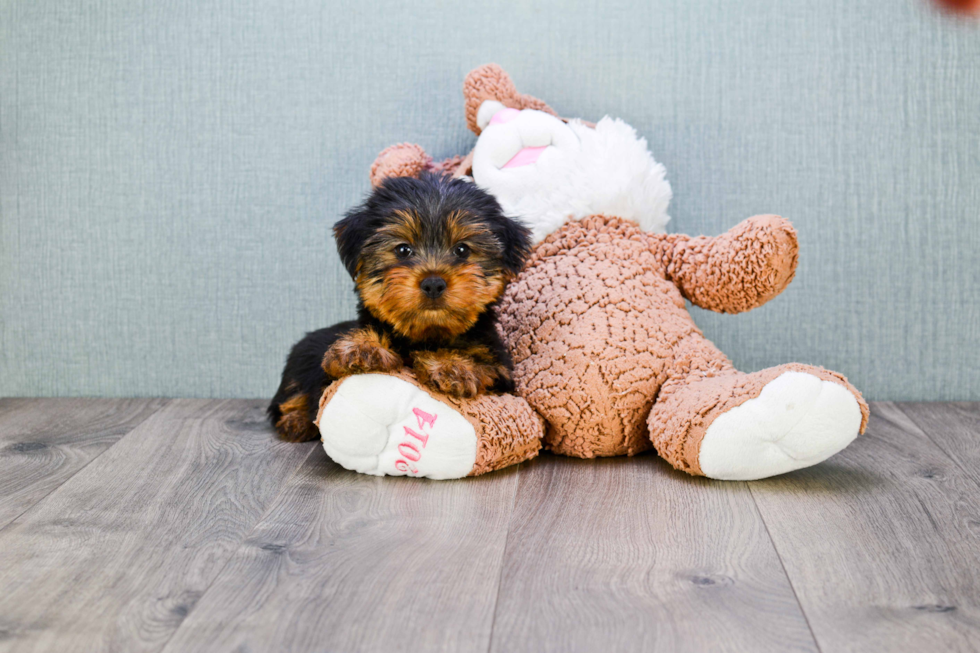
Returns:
(508, 430)
(401, 160)
(737, 271)
(598, 328)
(583, 331)
(450, 166)
(410, 160)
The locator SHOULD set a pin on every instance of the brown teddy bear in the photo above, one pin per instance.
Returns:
(605, 351)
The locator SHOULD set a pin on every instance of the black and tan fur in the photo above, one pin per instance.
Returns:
(430, 258)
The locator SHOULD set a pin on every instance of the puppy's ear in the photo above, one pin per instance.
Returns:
(516, 241)
(351, 233)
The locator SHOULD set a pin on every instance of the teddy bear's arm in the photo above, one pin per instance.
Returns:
(737, 271)
(410, 160)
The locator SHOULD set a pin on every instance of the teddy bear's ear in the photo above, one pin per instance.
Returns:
(490, 82)
(402, 160)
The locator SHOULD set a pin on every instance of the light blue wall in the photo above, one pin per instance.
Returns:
(169, 170)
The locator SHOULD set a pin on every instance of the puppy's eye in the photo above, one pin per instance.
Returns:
(403, 251)
(461, 251)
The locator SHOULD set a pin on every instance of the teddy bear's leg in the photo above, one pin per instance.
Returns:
(712, 420)
(387, 424)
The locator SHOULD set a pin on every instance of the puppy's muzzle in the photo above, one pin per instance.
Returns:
(433, 286)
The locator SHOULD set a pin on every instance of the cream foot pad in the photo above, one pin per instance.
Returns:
(798, 420)
(381, 425)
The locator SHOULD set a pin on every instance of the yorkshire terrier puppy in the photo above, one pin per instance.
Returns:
(429, 257)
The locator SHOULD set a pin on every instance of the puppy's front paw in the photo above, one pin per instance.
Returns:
(456, 373)
(359, 352)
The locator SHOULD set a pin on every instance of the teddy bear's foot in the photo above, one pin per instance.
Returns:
(750, 426)
(795, 422)
(383, 424)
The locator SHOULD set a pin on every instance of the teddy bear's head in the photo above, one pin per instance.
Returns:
(548, 172)
(543, 169)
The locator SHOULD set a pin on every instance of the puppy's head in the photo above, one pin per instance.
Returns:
(429, 255)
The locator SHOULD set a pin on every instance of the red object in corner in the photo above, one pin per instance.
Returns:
(968, 7)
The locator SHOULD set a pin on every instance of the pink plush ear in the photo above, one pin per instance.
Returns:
(402, 160)
(490, 82)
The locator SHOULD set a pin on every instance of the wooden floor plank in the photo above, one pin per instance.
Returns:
(881, 542)
(117, 556)
(626, 554)
(347, 562)
(186, 526)
(953, 427)
(44, 442)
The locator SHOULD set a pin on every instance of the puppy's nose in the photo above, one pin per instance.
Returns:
(433, 286)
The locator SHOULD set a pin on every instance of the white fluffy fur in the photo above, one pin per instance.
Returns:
(610, 172)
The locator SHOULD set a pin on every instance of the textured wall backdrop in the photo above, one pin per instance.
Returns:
(169, 170)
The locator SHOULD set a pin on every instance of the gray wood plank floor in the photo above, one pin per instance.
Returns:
(183, 525)
(44, 442)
